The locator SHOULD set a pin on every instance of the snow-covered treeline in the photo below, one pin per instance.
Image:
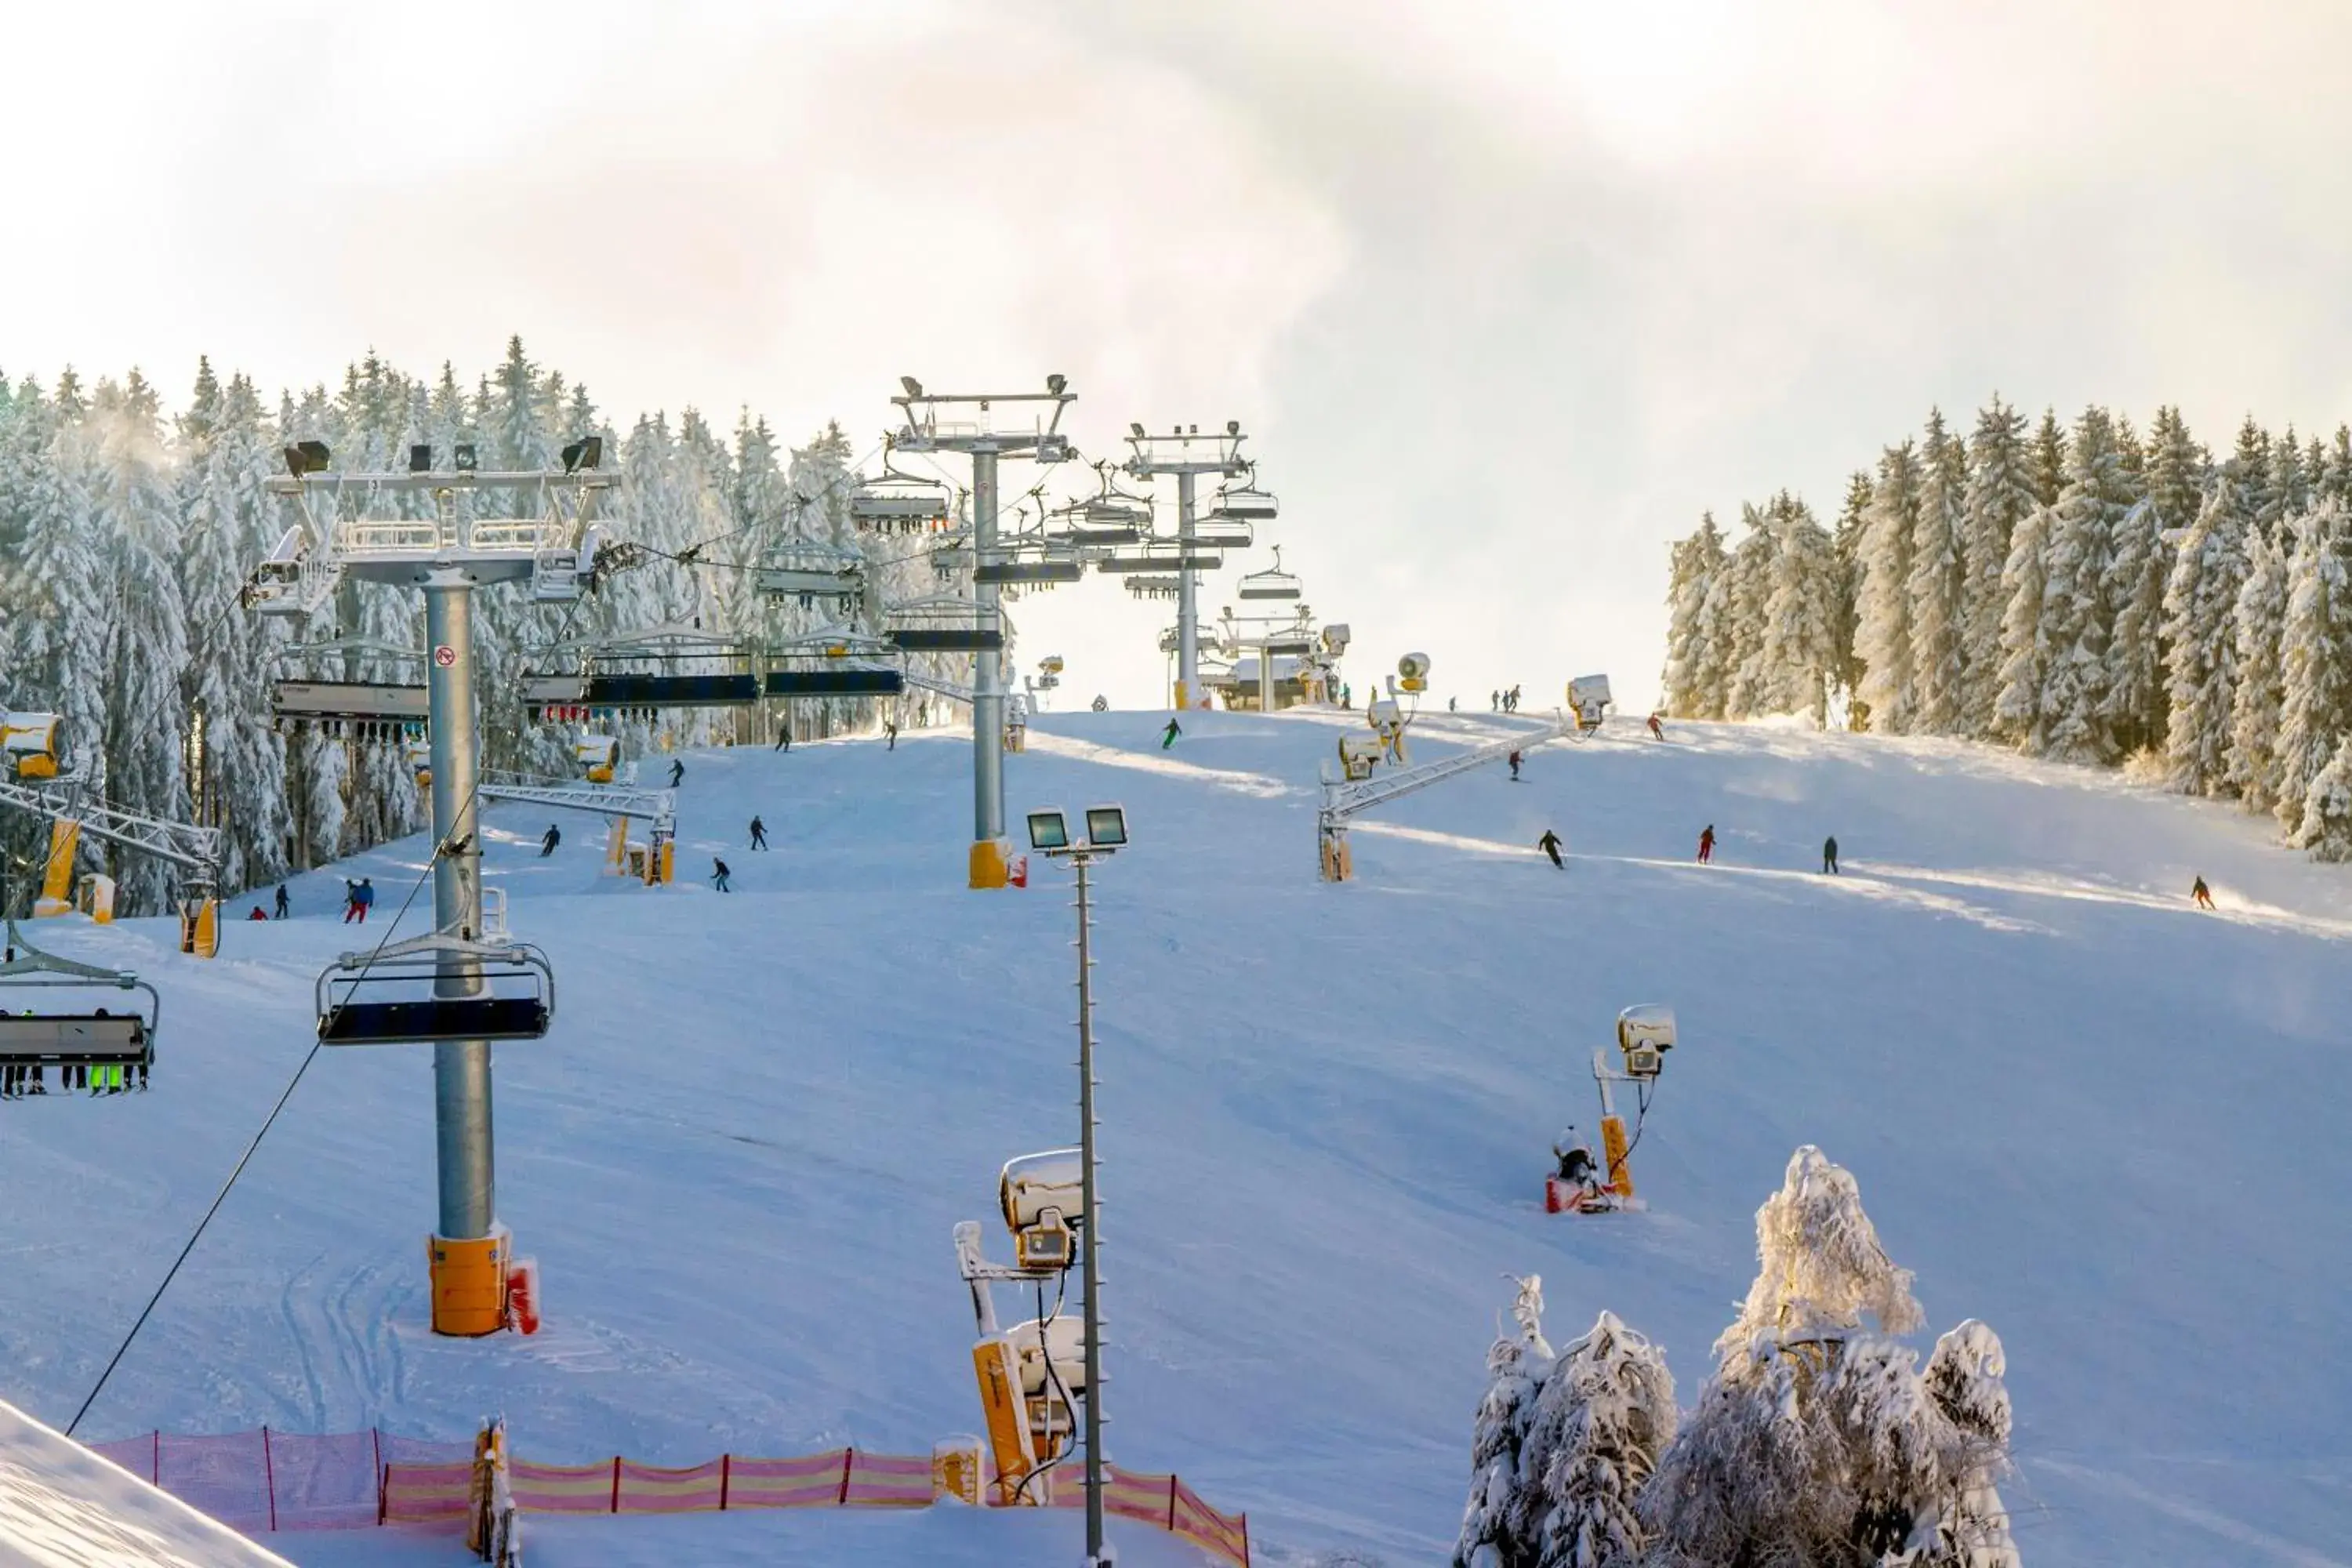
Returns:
(2088, 593)
(1817, 1438)
(126, 536)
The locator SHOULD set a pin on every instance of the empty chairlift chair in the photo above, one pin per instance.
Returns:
(835, 664)
(54, 1014)
(444, 986)
(1272, 583)
(945, 625)
(1244, 503)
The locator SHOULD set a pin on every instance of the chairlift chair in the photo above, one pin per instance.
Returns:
(809, 572)
(1222, 533)
(894, 502)
(74, 1038)
(418, 991)
(1244, 502)
(944, 624)
(1155, 587)
(1272, 583)
(835, 664)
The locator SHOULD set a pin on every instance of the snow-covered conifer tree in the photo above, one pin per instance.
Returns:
(2169, 485)
(1602, 1423)
(2076, 618)
(2257, 694)
(2199, 620)
(1492, 1519)
(2017, 696)
(2314, 654)
(2326, 826)
(1964, 1378)
(2046, 461)
(1696, 563)
(1750, 586)
(1883, 633)
(2000, 495)
(1937, 584)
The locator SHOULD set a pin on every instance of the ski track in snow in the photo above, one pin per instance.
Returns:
(1326, 1114)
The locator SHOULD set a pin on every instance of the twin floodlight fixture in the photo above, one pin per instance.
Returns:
(1055, 385)
(312, 457)
(1106, 831)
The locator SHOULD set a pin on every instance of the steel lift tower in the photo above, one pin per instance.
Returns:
(1187, 454)
(926, 431)
(447, 554)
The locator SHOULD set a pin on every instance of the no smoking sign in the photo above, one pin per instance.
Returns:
(445, 656)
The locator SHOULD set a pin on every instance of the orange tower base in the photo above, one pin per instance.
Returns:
(470, 1283)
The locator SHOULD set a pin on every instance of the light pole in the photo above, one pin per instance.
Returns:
(925, 432)
(1106, 834)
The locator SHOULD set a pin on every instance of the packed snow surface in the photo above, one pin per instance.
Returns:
(2106, 1123)
(61, 1506)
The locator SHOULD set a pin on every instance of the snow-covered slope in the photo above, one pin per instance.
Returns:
(2108, 1124)
(61, 1506)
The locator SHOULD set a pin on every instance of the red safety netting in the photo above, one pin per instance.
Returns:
(269, 1481)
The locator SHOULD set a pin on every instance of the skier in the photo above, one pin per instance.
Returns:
(1494, 703)
(1550, 844)
(1657, 731)
(759, 834)
(1169, 738)
(1706, 844)
(677, 772)
(891, 734)
(364, 896)
(1511, 700)
(352, 910)
(257, 914)
(1577, 1166)
(283, 903)
(1514, 767)
(719, 874)
(1829, 855)
(783, 735)
(2201, 894)
(1347, 696)
(1452, 706)
(547, 845)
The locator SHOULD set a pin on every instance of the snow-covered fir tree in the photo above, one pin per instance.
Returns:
(2077, 616)
(2326, 826)
(2136, 572)
(1492, 1519)
(2257, 693)
(1883, 632)
(2017, 683)
(1853, 519)
(1939, 583)
(2314, 654)
(1696, 562)
(2200, 628)
(2000, 495)
(1798, 653)
(1604, 1420)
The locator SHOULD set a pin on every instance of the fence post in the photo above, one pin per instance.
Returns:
(382, 1475)
(1245, 1562)
(155, 1467)
(616, 1483)
(726, 1464)
(269, 1480)
(1171, 1505)
(848, 1457)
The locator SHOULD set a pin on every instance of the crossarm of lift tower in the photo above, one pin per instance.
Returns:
(926, 431)
(1174, 453)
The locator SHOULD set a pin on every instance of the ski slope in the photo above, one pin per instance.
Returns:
(2108, 1124)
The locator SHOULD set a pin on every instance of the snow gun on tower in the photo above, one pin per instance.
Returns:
(1032, 1374)
(1645, 1033)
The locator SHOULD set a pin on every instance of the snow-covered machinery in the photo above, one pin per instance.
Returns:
(1588, 699)
(28, 745)
(104, 1049)
(1645, 1033)
(1412, 673)
(597, 756)
(1032, 1374)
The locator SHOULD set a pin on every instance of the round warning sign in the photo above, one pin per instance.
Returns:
(445, 656)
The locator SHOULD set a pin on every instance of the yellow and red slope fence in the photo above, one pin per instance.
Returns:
(273, 1480)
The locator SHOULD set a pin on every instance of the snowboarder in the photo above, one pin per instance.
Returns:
(364, 896)
(759, 834)
(719, 874)
(1577, 1166)
(1657, 729)
(1169, 738)
(554, 837)
(1514, 767)
(283, 902)
(783, 735)
(2201, 894)
(891, 734)
(1550, 844)
(1829, 855)
(1706, 844)
(677, 773)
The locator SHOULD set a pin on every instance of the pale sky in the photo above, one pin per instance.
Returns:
(1506, 293)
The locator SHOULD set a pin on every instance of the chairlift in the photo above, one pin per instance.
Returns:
(1030, 562)
(1222, 533)
(28, 743)
(1244, 502)
(837, 665)
(1154, 587)
(91, 1046)
(1155, 555)
(807, 571)
(442, 986)
(944, 626)
(894, 502)
(1272, 583)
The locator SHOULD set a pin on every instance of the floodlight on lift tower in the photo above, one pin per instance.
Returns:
(1040, 440)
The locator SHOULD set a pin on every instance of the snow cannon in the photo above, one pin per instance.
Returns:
(1335, 638)
(1041, 1194)
(1588, 699)
(28, 743)
(596, 756)
(1413, 672)
(1645, 1033)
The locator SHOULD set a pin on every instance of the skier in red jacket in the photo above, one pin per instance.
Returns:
(1706, 844)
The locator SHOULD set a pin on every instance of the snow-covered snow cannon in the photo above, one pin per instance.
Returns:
(1588, 699)
(1645, 1033)
(1032, 1374)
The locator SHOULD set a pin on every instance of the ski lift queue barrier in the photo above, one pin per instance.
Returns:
(266, 1481)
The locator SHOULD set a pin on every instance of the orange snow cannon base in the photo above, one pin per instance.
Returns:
(469, 1284)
